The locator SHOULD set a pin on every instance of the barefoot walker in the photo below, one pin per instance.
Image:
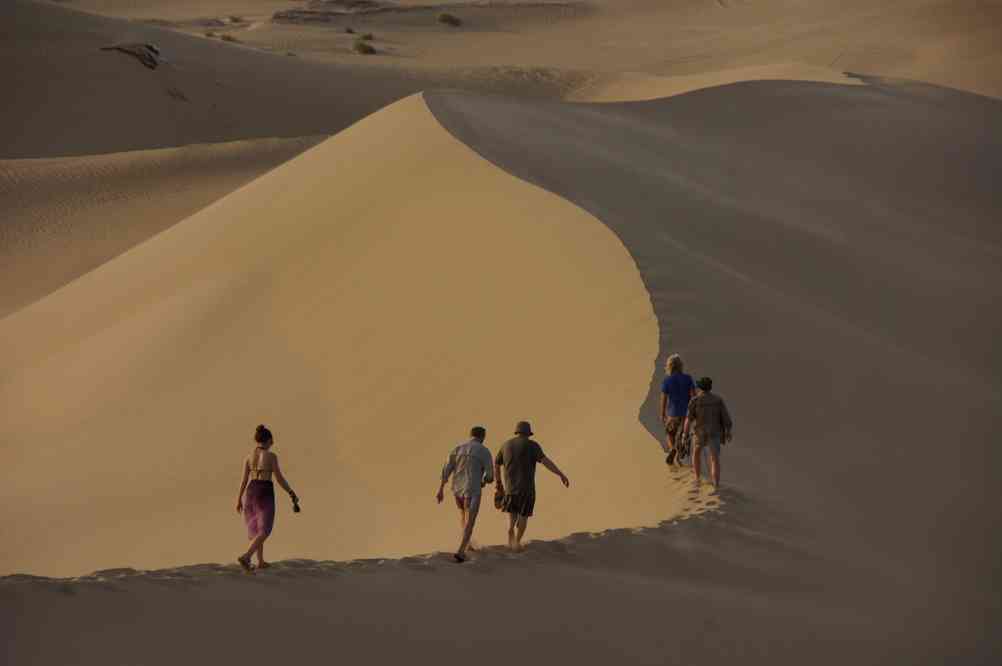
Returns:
(515, 472)
(677, 390)
(256, 499)
(710, 425)
(470, 467)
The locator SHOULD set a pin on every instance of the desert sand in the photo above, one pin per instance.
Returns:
(518, 217)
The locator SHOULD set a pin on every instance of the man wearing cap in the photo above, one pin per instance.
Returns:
(709, 423)
(515, 471)
(469, 465)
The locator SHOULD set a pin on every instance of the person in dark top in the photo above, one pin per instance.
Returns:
(256, 497)
(515, 475)
(677, 390)
(710, 425)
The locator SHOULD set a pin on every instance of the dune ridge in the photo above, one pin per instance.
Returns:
(828, 252)
(277, 304)
(779, 287)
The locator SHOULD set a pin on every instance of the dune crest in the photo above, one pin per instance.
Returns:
(637, 87)
(386, 289)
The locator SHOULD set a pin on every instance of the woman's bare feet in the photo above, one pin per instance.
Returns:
(263, 565)
(245, 564)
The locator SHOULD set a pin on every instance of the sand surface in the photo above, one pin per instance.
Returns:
(301, 301)
(779, 287)
(65, 216)
(185, 255)
(950, 42)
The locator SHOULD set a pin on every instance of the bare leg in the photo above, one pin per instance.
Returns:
(671, 450)
(255, 544)
(520, 526)
(470, 519)
(715, 468)
(512, 519)
(697, 461)
(260, 556)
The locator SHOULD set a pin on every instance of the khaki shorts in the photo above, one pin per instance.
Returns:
(711, 444)
(674, 424)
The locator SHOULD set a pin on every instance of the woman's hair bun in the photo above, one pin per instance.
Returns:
(262, 434)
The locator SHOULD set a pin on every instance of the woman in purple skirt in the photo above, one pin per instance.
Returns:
(256, 499)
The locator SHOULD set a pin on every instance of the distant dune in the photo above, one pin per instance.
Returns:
(373, 253)
(66, 216)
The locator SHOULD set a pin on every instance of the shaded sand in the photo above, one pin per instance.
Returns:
(75, 99)
(66, 216)
(641, 87)
(950, 42)
(830, 255)
(370, 300)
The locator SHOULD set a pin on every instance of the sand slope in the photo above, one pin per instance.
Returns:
(66, 216)
(830, 255)
(371, 331)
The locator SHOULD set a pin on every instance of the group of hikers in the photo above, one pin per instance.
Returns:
(696, 422)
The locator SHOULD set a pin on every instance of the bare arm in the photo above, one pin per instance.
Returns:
(664, 407)
(687, 424)
(488, 463)
(499, 484)
(726, 424)
(550, 465)
(280, 477)
(447, 470)
(243, 486)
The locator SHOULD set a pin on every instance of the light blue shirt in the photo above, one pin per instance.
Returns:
(471, 466)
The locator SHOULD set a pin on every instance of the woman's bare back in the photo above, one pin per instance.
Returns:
(261, 464)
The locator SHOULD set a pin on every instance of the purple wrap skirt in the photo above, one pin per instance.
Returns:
(259, 508)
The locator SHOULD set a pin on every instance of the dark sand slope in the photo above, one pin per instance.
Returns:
(72, 98)
(831, 255)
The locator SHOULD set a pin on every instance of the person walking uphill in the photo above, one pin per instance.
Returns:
(470, 467)
(256, 499)
(677, 390)
(515, 471)
(710, 425)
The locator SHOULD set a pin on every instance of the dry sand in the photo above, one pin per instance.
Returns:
(66, 216)
(828, 252)
(353, 323)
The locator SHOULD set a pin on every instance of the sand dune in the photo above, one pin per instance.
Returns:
(838, 286)
(66, 216)
(352, 322)
(950, 42)
(840, 531)
(829, 253)
(642, 87)
(75, 99)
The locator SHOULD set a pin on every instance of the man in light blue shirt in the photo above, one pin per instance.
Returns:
(471, 467)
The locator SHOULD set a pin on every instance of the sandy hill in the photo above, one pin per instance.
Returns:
(830, 255)
(99, 152)
(300, 301)
(950, 42)
(828, 251)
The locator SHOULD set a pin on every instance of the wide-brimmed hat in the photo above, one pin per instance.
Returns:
(523, 428)
(705, 383)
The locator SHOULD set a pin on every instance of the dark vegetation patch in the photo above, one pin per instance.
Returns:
(363, 47)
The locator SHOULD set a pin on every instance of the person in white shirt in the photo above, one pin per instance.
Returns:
(471, 467)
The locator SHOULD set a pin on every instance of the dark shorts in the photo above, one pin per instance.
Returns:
(520, 505)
